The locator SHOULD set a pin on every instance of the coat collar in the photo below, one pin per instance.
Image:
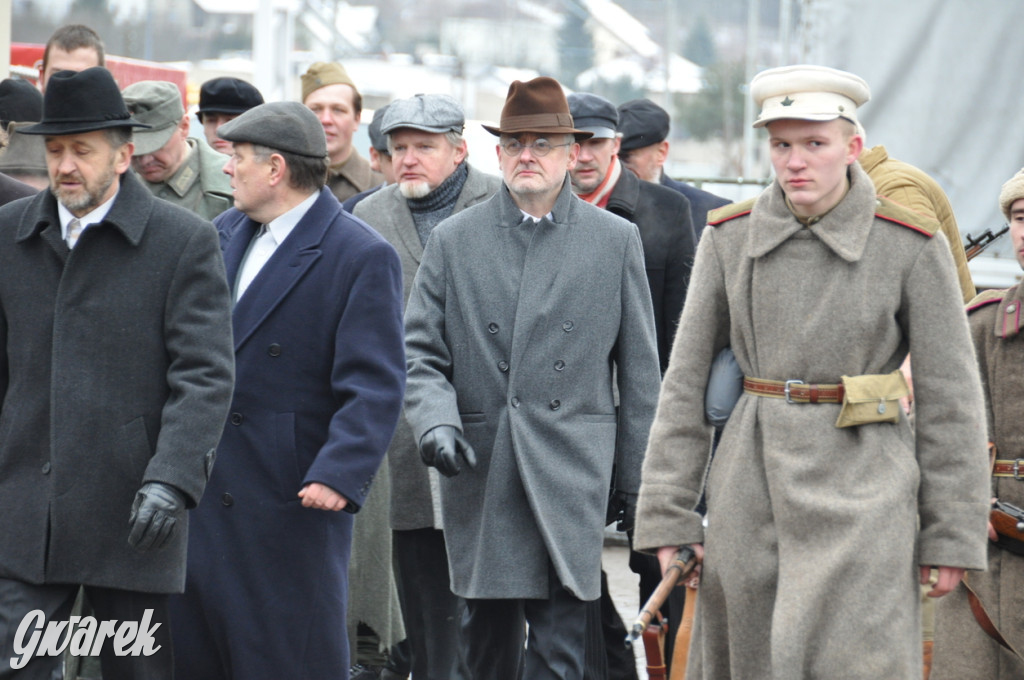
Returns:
(625, 195)
(844, 229)
(129, 214)
(509, 214)
(289, 263)
(1008, 318)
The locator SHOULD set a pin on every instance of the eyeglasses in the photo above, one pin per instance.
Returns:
(539, 148)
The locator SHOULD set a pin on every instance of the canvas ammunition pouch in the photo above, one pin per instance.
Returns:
(872, 399)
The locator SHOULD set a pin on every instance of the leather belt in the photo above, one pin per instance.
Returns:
(794, 391)
(1009, 468)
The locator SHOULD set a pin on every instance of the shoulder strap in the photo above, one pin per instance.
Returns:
(731, 211)
(985, 298)
(891, 211)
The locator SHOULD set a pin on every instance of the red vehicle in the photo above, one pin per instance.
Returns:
(26, 59)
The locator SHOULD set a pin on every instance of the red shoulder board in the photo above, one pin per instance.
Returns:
(985, 298)
(731, 211)
(891, 211)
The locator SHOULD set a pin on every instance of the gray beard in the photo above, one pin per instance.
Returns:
(414, 189)
(86, 200)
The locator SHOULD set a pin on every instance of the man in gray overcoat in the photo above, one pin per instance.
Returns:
(823, 509)
(434, 180)
(116, 371)
(522, 309)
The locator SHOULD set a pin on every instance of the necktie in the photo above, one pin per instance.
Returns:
(75, 228)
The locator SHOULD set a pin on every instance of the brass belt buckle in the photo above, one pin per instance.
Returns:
(1016, 469)
(789, 384)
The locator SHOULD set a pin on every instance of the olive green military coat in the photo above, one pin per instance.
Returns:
(963, 651)
(812, 544)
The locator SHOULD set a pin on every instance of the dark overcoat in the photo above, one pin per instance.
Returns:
(320, 378)
(962, 649)
(701, 202)
(520, 356)
(666, 232)
(115, 370)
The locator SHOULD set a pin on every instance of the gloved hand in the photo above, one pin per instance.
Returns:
(157, 508)
(622, 508)
(442, 446)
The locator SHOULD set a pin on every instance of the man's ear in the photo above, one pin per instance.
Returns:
(278, 169)
(854, 148)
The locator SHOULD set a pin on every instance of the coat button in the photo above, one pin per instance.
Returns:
(568, 326)
(228, 500)
(46, 468)
(515, 402)
(1011, 308)
(274, 350)
(555, 404)
(492, 328)
(559, 365)
(236, 418)
(503, 366)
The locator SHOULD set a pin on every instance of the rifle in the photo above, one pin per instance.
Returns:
(976, 244)
(649, 624)
(683, 563)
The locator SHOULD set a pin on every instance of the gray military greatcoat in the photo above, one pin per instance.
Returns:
(962, 649)
(813, 543)
(512, 339)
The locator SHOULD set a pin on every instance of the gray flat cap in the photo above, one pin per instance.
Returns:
(593, 114)
(284, 126)
(437, 113)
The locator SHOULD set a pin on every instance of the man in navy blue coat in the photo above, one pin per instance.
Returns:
(320, 379)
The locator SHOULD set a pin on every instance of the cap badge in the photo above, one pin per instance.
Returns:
(787, 101)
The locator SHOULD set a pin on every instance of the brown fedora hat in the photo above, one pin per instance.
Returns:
(538, 105)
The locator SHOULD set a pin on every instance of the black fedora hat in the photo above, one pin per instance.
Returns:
(82, 101)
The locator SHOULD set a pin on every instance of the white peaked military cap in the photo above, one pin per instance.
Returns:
(807, 92)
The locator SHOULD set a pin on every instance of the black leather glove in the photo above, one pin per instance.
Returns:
(624, 505)
(442, 446)
(157, 508)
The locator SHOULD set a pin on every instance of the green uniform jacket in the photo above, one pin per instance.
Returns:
(200, 184)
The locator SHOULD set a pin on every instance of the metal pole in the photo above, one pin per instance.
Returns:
(753, 22)
(5, 37)
(785, 27)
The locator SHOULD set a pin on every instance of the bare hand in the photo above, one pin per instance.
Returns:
(322, 497)
(949, 578)
(667, 554)
(908, 401)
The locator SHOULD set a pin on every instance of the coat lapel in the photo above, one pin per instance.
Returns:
(283, 270)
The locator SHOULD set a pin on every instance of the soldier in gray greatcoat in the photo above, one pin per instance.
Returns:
(818, 534)
(963, 649)
(522, 309)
